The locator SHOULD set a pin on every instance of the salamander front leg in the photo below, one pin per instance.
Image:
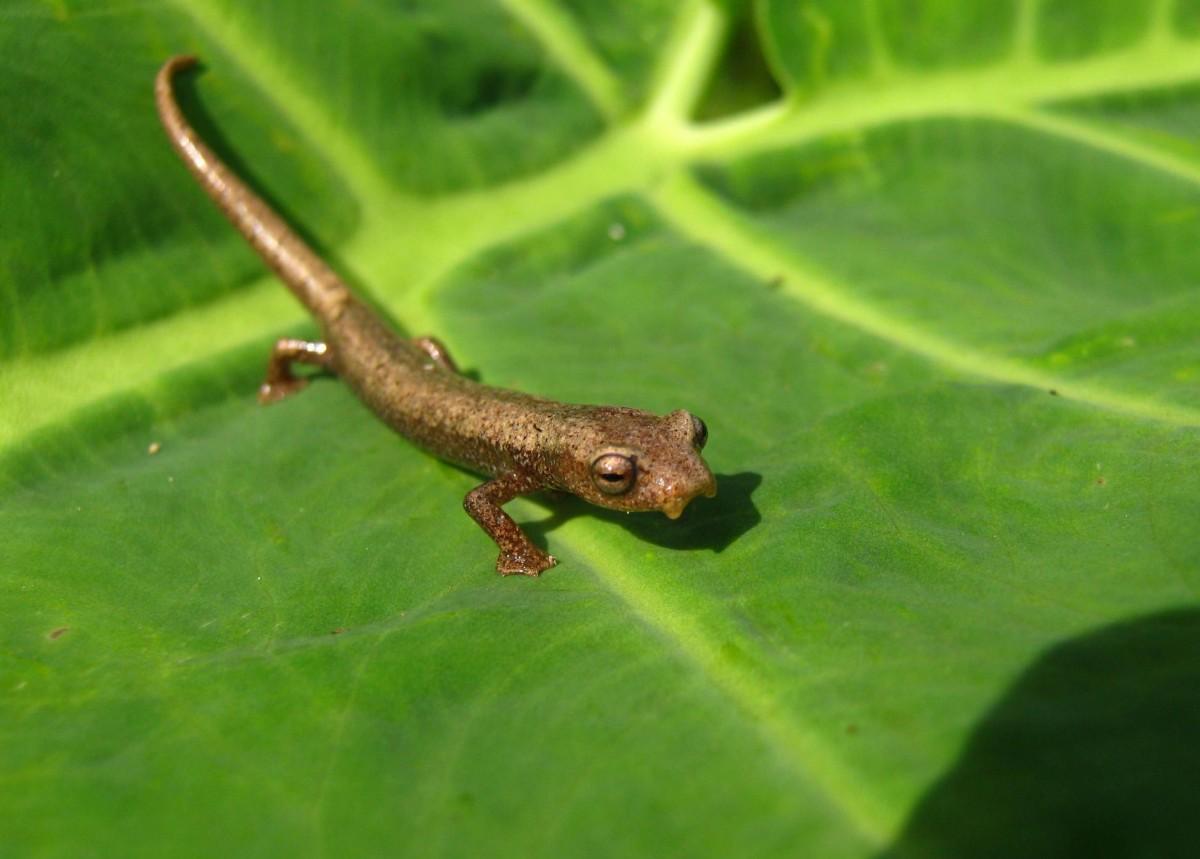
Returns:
(280, 381)
(436, 350)
(517, 554)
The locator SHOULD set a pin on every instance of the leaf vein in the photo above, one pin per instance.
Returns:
(321, 130)
(571, 52)
(700, 215)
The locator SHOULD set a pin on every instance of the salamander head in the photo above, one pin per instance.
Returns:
(639, 461)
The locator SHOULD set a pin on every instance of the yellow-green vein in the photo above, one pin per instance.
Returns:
(571, 52)
(686, 65)
(702, 217)
(1095, 136)
(799, 745)
(855, 107)
(322, 133)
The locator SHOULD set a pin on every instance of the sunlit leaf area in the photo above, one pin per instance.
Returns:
(928, 269)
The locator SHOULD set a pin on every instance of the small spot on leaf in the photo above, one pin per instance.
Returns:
(57, 632)
(276, 534)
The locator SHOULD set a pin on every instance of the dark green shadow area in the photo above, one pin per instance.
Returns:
(742, 79)
(186, 88)
(1092, 752)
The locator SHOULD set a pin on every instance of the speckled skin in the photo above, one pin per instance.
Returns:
(614, 457)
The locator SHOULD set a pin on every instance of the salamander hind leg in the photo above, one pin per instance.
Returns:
(281, 381)
(437, 351)
(517, 554)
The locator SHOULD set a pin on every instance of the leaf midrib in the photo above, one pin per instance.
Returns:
(798, 744)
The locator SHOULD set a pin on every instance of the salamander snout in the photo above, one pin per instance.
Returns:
(700, 482)
(684, 474)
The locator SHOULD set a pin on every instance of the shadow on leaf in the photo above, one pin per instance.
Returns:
(708, 523)
(1093, 752)
(193, 106)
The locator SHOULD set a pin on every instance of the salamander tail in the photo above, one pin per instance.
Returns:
(304, 273)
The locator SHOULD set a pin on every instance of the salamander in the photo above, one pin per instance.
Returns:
(615, 457)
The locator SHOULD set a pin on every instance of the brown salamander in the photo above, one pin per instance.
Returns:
(621, 458)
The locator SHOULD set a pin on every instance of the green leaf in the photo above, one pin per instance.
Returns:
(937, 303)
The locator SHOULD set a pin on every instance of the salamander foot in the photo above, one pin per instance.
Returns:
(526, 562)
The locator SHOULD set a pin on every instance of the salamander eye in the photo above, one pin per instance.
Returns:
(699, 433)
(613, 473)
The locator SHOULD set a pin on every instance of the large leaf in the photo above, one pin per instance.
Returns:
(937, 303)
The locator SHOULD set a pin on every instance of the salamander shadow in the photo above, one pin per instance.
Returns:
(1094, 751)
(187, 94)
(707, 523)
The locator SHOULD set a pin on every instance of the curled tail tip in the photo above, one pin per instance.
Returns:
(164, 94)
(177, 63)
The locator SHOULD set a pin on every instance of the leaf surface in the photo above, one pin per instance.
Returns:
(937, 303)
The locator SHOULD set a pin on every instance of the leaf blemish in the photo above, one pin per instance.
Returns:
(57, 632)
